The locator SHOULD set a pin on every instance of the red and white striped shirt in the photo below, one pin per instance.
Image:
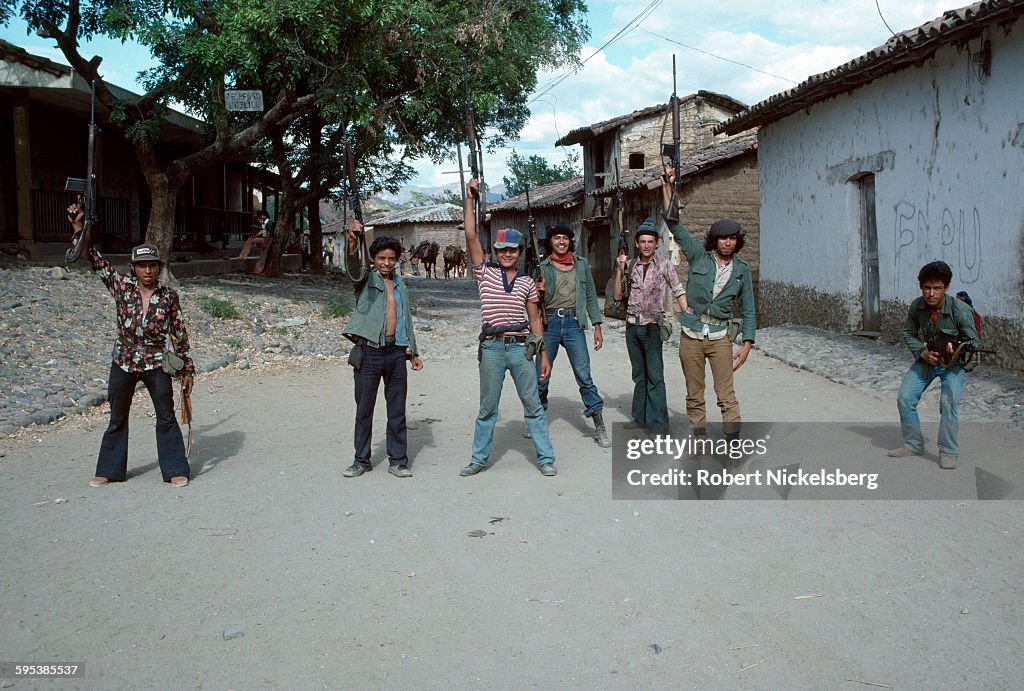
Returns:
(502, 302)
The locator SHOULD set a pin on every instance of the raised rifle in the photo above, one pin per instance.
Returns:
(620, 212)
(532, 263)
(475, 155)
(357, 257)
(86, 187)
(673, 150)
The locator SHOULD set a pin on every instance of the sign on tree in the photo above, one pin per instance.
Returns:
(243, 100)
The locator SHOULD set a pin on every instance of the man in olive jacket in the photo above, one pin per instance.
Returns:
(382, 330)
(571, 301)
(716, 282)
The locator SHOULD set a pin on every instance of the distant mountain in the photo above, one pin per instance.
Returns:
(385, 202)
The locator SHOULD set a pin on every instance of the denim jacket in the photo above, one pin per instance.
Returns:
(367, 319)
(586, 291)
(956, 318)
(700, 284)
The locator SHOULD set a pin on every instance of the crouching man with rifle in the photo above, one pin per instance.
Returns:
(511, 334)
(935, 322)
(568, 290)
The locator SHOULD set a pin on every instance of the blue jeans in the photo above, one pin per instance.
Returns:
(387, 363)
(650, 405)
(915, 381)
(495, 359)
(566, 331)
(170, 448)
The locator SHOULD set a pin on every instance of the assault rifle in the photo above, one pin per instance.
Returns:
(962, 351)
(532, 262)
(475, 155)
(357, 258)
(673, 149)
(86, 188)
(620, 212)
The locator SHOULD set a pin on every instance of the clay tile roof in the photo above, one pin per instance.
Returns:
(565, 193)
(433, 213)
(696, 162)
(582, 134)
(903, 50)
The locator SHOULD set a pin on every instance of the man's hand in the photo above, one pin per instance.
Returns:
(472, 188)
(931, 357)
(598, 337)
(741, 355)
(417, 364)
(186, 384)
(540, 285)
(545, 366)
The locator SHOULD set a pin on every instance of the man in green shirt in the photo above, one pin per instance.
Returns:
(569, 294)
(935, 321)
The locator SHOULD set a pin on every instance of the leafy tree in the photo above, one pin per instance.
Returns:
(380, 74)
(536, 170)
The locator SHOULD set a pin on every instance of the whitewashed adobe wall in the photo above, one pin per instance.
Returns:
(946, 146)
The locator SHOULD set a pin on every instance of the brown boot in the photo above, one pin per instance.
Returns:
(902, 452)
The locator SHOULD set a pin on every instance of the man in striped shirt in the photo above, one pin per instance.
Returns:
(509, 312)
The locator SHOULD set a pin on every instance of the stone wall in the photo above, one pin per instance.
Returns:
(785, 303)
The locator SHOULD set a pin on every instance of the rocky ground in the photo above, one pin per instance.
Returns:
(57, 330)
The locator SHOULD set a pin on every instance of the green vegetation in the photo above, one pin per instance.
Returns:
(233, 342)
(335, 308)
(218, 307)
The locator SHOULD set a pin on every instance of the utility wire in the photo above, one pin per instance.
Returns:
(719, 57)
(879, 8)
(630, 25)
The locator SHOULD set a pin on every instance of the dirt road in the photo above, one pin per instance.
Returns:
(272, 571)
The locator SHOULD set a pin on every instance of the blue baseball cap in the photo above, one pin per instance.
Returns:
(508, 237)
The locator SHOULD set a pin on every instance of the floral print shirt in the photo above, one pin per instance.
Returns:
(647, 290)
(141, 340)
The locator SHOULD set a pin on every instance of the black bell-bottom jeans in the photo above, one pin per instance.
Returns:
(170, 448)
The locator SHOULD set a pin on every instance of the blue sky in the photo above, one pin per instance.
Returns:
(746, 49)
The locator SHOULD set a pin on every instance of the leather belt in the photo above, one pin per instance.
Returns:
(562, 312)
(508, 339)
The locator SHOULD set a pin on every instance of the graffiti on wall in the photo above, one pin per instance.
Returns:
(954, 236)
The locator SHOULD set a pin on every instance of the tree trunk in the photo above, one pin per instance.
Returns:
(316, 240)
(284, 227)
(160, 229)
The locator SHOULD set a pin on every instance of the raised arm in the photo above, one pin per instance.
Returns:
(476, 251)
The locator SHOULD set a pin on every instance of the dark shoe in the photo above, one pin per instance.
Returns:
(356, 469)
(602, 432)
(635, 424)
(472, 469)
(400, 471)
(902, 452)
(947, 462)
(99, 481)
(548, 470)
(179, 481)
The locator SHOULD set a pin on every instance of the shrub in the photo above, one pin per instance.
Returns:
(335, 307)
(218, 307)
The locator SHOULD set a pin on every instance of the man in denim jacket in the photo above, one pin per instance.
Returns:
(933, 315)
